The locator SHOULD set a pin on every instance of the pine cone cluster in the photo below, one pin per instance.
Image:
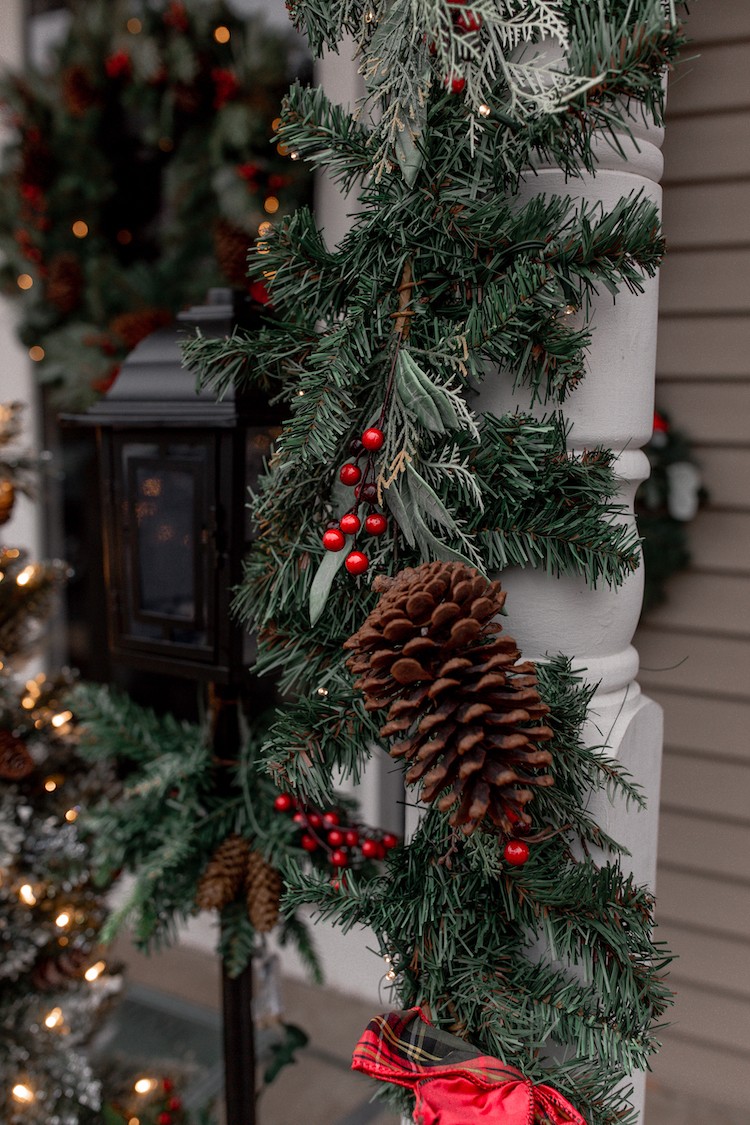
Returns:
(15, 760)
(231, 246)
(460, 707)
(234, 867)
(65, 282)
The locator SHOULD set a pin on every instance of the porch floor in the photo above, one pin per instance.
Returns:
(174, 997)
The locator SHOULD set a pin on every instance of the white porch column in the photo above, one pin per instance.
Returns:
(612, 407)
(16, 378)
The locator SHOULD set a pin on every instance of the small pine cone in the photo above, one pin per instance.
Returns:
(464, 710)
(222, 879)
(7, 499)
(15, 760)
(52, 973)
(65, 282)
(231, 245)
(263, 886)
(78, 92)
(133, 327)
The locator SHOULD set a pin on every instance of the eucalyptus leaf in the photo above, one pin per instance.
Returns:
(322, 582)
(425, 499)
(394, 501)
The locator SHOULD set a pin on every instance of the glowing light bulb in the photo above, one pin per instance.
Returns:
(265, 228)
(80, 229)
(95, 971)
(71, 815)
(134, 26)
(24, 281)
(484, 110)
(36, 353)
(145, 1085)
(50, 785)
(54, 1018)
(23, 1093)
(222, 34)
(26, 895)
(271, 205)
(25, 576)
(323, 691)
(62, 919)
(62, 718)
(275, 124)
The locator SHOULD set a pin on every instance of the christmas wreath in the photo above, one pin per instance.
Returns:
(138, 173)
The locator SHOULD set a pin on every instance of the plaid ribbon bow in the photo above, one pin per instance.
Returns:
(453, 1083)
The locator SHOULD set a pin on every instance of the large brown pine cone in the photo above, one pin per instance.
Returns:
(263, 885)
(220, 883)
(464, 711)
(15, 760)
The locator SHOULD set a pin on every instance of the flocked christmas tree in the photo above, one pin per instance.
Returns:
(508, 917)
(54, 984)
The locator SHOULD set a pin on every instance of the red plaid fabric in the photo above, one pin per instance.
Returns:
(453, 1083)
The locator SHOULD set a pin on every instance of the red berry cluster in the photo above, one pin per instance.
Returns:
(467, 21)
(365, 491)
(327, 835)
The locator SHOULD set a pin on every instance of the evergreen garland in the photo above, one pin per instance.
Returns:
(444, 278)
(137, 172)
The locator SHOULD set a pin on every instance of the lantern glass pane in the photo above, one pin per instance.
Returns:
(164, 511)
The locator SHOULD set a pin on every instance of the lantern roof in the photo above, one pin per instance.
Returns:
(154, 389)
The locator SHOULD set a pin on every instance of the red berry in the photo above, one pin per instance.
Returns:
(356, 563)
(336, 838)
(350, 523)
(351, 838)
(174, 1104)
(164, 1119)
(389, 840)
(299, 818)
(339, 858)
(469, 21)
(333, 539)
(335, 884)
(455, 83)
(375, 524)
(516, 852)
(331, 820)
(350, 473)
(368, 492)
(168, 1084)
(373, 439)
(315, 820)
(283, 803)
(369, 849)
(309, 843)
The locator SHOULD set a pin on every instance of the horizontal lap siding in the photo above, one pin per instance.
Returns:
(695, 649)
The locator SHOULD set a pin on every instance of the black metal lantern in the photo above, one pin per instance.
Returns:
(175, 468)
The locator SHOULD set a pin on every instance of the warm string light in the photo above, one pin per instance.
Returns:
(265, 228)
(484, 110)
(222, 34)
(61, 719)
(26, 895)
(24, 281)
(95, 971)
(36, 353)
(71, 815)
(25, 576)
(80, 229)
(145, 1085)
(53, 1019)
(134, 26)
(271, 205)
(62, 920)
(23, 1093)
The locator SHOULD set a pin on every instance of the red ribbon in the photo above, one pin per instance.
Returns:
(452, 1082)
